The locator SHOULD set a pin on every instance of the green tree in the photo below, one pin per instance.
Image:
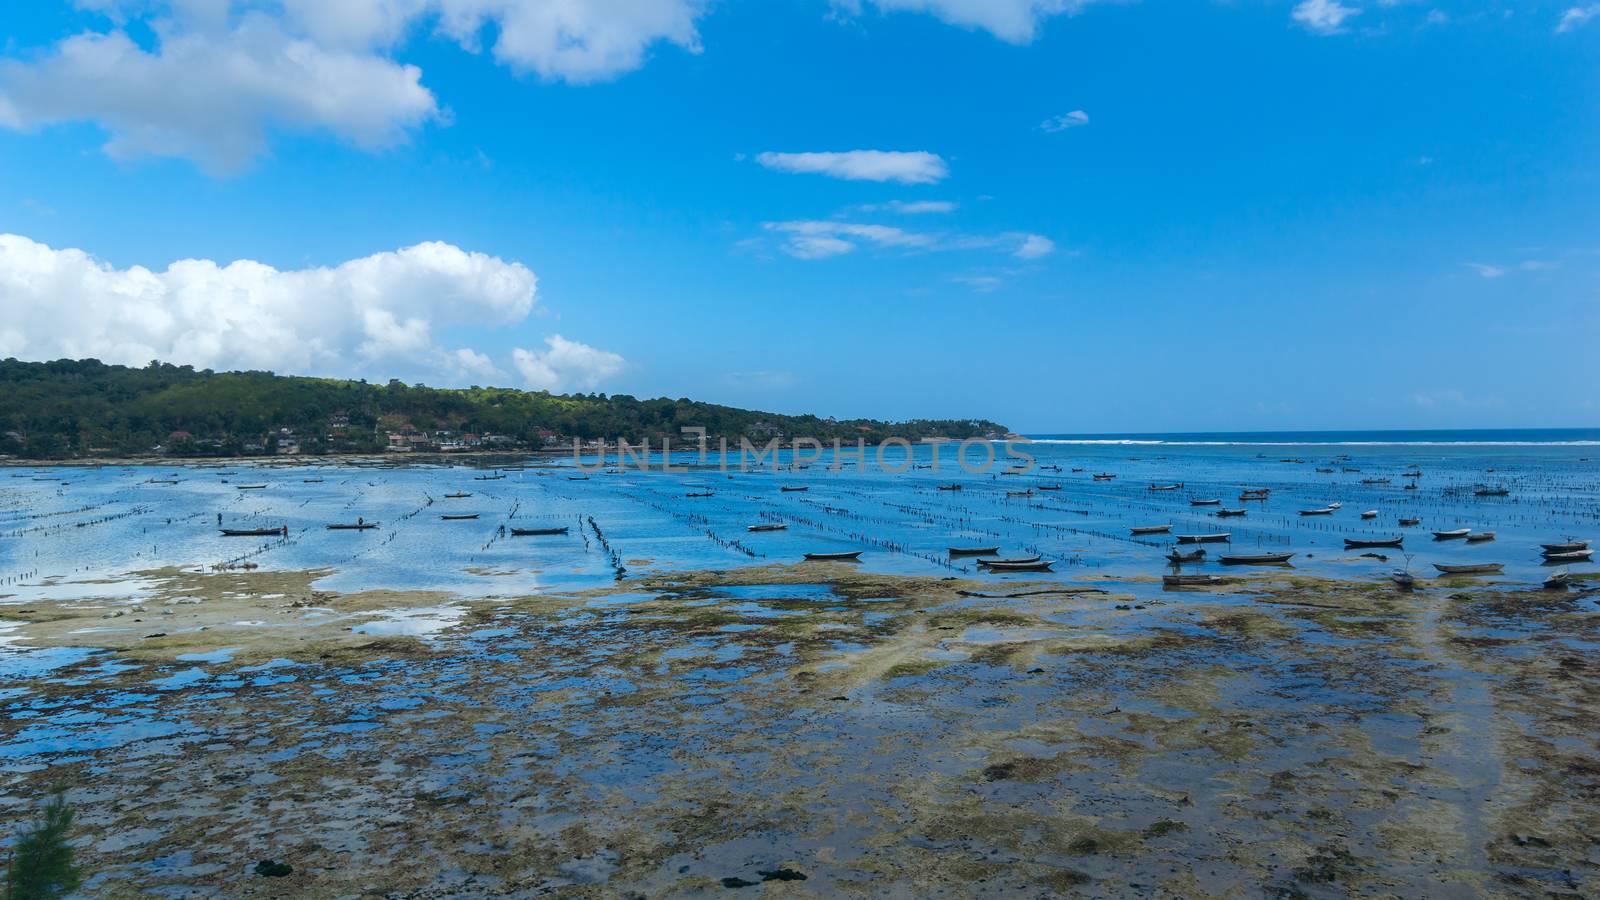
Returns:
(41, 865)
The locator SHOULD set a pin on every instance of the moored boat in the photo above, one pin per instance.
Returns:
(794, 488)
(1177, 485)
(1370, 514)
(1104, 476)
(250, 532)
(700, 494)
(1360, 543)
(1189, 580)
(1225, 513)
(1558, 580)
(1405, 581)
(1194, 556)
(352, 526)
(458, 495)
(1491, 492)
(974, 551)
(1150, 529)
(1205, 502)
(767, 526)
(1323, 511)
(1564, 546)
(1451, 534)
(843, 556)
(1473, 569)
(1408, 522)
(1568, 556)
(1480, 537)
(949, 487)
(1035, 566)
(458, 517)
(530, 532)
(1220, 537)
(1009, 560)
(1256, 559)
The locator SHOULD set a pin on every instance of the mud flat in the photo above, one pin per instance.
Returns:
(813, 730)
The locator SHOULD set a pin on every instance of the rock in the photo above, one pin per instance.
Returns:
(734, 881)
(271, 868)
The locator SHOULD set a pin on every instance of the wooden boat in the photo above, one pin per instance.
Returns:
(352, 526)
(949, 487)
(1256, 494)
(1491, 492)
(1036, 566)
(1324, 471)
(1370, 514)
(1151, 529)
(458, 517)
(250, 487)
(1077, 468)
(794, 488)
(488, 478)
(1104, 476)
(1336, 505)
(1407, 523)
(1414, 473)
(1257, 559)
(1568, 556)
(973, 551)
(1324, 511)
(1225, 513)
(1049, 468)
(1048, 487)
(577, 478)
(1177, 485)
(1205, 502)
(767, 526)
(1363, 543)
(162, 481)
(841, 557)
(1019, 493)
(458, 495)
(534, 532)
(311, 481)
(1218, 538)
(700, 494)
(1009, 560)
(1374, 481)
(251, 532)
(1480, 537)
(1564, 546)
(1195, 556)
(1558, 580)
(1189, 580)
(1474, 569)
(1405, 581)
(1452, 534)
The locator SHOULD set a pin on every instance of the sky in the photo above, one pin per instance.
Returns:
(1063, 215)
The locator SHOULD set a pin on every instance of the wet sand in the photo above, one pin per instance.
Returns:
(813, 730)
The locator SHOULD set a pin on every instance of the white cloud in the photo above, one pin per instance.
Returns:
(1016, 21)
(1576, 17)
(1062, 122)
(816, 239)
(1323, 16)
(1034, 246)
(1487, 270)
(377, 316)
(565, 365)
(221, 75)
(906, 167)
(909, 208)
(213, 97)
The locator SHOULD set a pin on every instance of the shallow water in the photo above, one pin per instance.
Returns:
(82, 536)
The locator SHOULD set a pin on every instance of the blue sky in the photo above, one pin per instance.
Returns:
(1078, 216)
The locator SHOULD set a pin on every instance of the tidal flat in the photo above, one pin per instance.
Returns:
(814, 730)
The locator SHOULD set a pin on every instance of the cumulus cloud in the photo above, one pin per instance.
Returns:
(220, 75)
(905, 167)
(377, 316)
(1323, 16)
(1576, 17)
(1015, 21)
(817, 239)
(565, 364)
(1062, 122)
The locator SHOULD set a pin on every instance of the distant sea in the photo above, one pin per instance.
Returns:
(1485, 437)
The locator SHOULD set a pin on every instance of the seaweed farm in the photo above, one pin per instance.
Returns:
(640, 695)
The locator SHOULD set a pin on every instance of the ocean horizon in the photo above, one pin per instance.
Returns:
(1399, 437)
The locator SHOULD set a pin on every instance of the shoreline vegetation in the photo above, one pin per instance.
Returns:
(83, 409)
(1285, 735)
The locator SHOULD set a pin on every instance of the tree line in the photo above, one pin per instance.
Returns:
(79, 408)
